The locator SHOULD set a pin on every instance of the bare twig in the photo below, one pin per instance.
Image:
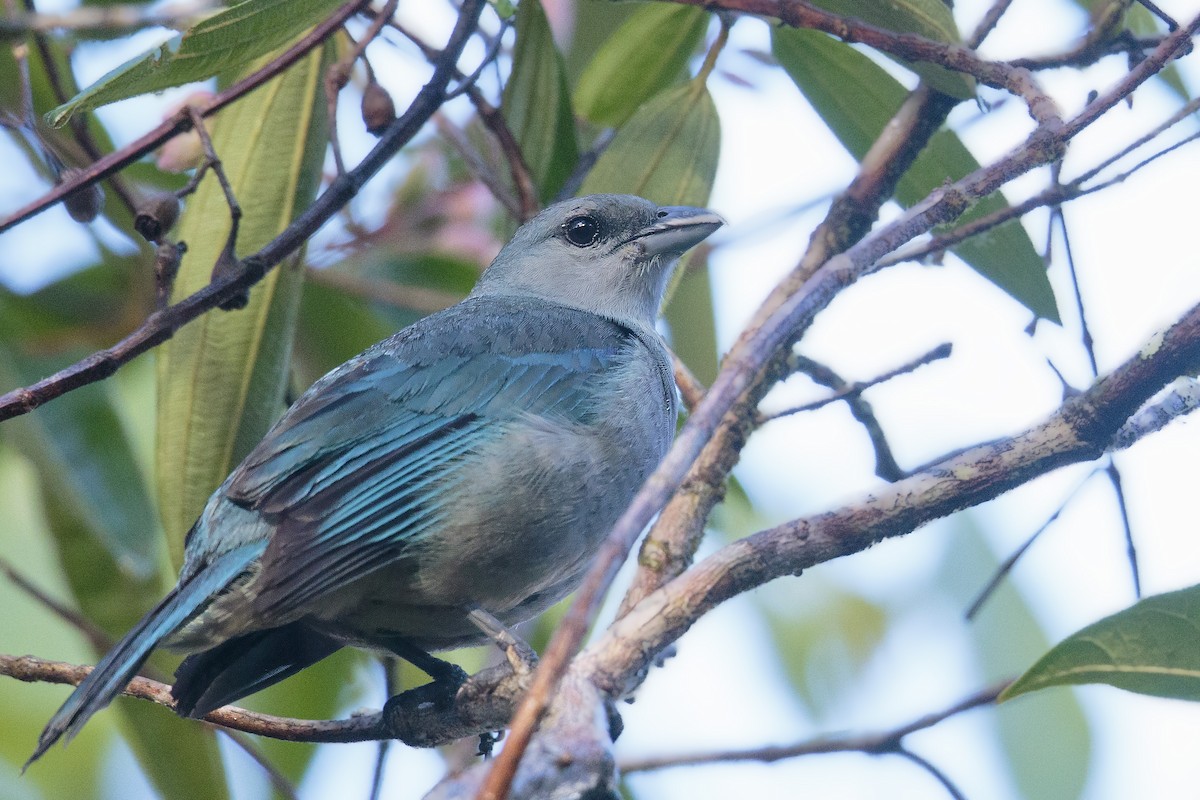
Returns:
(786, 313)
(368, 727)
(524, 204)
(181, 122)
(1007, 565)
(97, 638)
(846, 390)
(1081, 430)
(871, 743)
(161, 325)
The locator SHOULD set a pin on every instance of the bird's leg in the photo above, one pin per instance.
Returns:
(451, 676)
(521, 657)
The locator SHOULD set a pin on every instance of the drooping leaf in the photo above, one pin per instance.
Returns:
(644, 56)
(229, 39)
(825, 638)
(537, 103)
(857, 98)
(666, 152)
(1047, 744)
(1152, 647)
(221, 379)
(108, 543)
(929, 18)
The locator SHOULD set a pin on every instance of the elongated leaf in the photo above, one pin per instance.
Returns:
(225, 41)
(1152, 647)
(221, 378)
(666, 152)
(108, 543)
(856, 99)
(929, 18)
(1047, 744)
(88, 469)
(645, 55)
(537, 103)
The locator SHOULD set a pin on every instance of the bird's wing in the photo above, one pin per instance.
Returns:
(364, 463)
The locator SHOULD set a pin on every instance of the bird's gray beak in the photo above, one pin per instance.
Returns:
(676, 230)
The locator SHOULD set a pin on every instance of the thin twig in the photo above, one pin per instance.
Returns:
(161, 325)
(871, 743)
(364, 728)
(181, 122)
(786, 313)
(522, 205)
(858, 387)
(1006, 566)
(97, 637)
(988, 23)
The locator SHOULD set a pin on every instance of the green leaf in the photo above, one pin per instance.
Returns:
(1152, 647)
(88, 468)
(648, 53)
(108, 542)
(857, 98)
(690, 317)
(931, 19)
(537, 103)
(228, 40)
(1047, 744)
(825, 638)
(666, 152)
(221, 378)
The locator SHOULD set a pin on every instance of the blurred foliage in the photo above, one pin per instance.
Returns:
(1048, 744)
(82, 504)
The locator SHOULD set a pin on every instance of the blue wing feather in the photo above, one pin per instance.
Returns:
(360, 467)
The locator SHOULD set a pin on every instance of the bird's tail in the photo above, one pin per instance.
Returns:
(121, 664)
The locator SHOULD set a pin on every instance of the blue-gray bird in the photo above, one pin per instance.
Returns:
(474, 460)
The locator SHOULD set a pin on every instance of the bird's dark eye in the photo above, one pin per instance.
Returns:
(582, 231)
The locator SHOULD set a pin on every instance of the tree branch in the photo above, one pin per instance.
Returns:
(181, 122)
(784, 316)
(1082, 429)
(161, 325)
(870, 743)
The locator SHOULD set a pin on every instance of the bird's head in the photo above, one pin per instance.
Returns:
(610, 254)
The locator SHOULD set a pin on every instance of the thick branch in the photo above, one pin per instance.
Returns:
(1080, 430)
(786, 313)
